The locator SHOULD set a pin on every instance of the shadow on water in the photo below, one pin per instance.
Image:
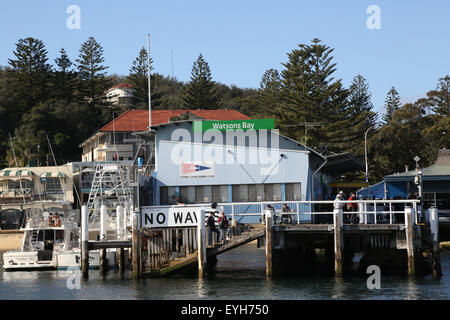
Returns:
(239, 274)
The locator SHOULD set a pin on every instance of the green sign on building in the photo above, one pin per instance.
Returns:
(254, 124)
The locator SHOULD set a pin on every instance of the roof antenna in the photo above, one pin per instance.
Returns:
(172, 63)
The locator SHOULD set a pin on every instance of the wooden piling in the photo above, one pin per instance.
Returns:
(103, 261)
(436, 255)
(121, 260)
(338, 241)
(269, 237)
(201, 244)
(409, 230)
(136, 247)
(84, 242)
(177, 241)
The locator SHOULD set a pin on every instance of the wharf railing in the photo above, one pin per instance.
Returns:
(308, 211)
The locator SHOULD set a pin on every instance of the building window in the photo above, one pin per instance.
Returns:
(53, 185)
(293, 191)
(252, 192)
(3, 186)
(164, 195)
(184, 194)
(235, 193)
(268, 192)
(220, 193)
(199, 194)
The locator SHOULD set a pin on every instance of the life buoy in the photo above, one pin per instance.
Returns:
(57, 222)
(51, 222)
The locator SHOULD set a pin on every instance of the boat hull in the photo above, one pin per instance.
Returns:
(72, 259)
(33, 260)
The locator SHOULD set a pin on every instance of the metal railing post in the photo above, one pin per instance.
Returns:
(375, 212)
(390, 213)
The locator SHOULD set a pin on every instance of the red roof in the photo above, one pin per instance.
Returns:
(121, 85)
(137, 120)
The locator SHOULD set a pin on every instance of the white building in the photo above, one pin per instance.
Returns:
(121, 94)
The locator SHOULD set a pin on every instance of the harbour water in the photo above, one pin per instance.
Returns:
(239, 275)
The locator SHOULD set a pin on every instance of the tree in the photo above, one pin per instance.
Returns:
(169, 93)
(64, 79)
(138, 78)
(268, 94)
(391, 104)
(361, 107)
(30, 73)
(92, 73)
(438, 100)
(200, 93)
(9, 112)
(437, 131)
(310, 94)
(399, 141)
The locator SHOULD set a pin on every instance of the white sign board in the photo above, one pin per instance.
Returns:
(162, 217)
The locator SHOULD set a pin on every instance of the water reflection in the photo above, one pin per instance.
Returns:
(412, 290)
(338, 288)
(239, 275)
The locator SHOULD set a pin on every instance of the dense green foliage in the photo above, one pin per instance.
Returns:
(200, 92)
(66, 102)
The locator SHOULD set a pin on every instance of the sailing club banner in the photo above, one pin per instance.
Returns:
(163, 217)
(197, 170)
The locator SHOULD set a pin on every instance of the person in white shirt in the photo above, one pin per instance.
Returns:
(337, 202)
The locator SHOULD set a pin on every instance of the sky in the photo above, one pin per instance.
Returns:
(408, 49)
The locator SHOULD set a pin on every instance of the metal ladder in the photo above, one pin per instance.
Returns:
(34, 239)
(108, 181)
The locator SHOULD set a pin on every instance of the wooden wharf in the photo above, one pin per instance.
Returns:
(405, 242)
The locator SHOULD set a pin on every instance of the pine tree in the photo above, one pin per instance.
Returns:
(30, 74)
(268, 94)
(439, 99)
(436, 133)
(363, 117)
(200, 92)
(392, 104)
(311, 96)
(92, 73)
(64, 79)
(138, 78)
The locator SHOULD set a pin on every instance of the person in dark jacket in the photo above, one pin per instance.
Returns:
(211, 224)
(224, 227)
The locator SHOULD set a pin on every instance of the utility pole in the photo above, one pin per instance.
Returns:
(367, 165)
(149, 86)
(418, 182)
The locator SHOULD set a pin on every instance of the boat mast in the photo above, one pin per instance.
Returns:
(17, 167)
(149, 87)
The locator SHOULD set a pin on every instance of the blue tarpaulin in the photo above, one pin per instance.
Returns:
(397, 189)
(376, 190)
